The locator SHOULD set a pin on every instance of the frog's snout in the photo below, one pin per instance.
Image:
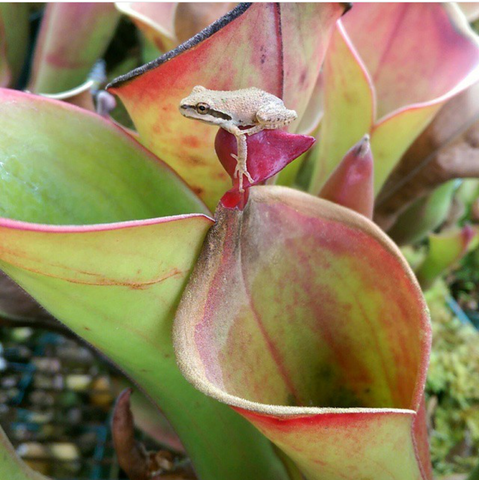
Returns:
(183, 108)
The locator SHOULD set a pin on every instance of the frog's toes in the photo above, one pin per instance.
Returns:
(241, 171)
(248, 176)
(237, 168)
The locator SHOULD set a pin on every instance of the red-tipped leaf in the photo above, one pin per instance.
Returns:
(352, 183)
(268, 153)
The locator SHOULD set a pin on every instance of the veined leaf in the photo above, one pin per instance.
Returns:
(99, 259)
(304, 317)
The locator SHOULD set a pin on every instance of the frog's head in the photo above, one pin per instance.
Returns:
(203, 104)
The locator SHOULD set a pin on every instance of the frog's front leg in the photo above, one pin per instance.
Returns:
(242, 149)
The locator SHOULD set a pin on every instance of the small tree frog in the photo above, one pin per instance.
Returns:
(249, 107)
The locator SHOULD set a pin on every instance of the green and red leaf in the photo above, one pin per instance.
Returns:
(276, 47)
(445, 150)
(65, 166)
(73, 36)
(283, 319)
(167, 24)
(411, 79)
(348, 95)
(390, 35)
(100, 260)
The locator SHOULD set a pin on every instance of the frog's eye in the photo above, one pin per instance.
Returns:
(202, 108)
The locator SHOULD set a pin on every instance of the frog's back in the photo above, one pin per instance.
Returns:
(253, 94)
(246, 102)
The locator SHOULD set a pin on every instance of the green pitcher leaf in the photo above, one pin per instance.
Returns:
(305, 317)
(63, 165)
(116, 285)
(347, 94)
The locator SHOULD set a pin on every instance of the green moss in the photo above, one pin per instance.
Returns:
(452, 390)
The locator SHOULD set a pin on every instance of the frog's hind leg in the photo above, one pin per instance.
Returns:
(241, 168)
(273, 116)
(253, 130)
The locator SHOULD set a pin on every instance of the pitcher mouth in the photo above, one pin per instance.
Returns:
(286, 321)
(194, 376)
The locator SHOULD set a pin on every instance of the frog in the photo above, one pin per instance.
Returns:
(240, 112)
